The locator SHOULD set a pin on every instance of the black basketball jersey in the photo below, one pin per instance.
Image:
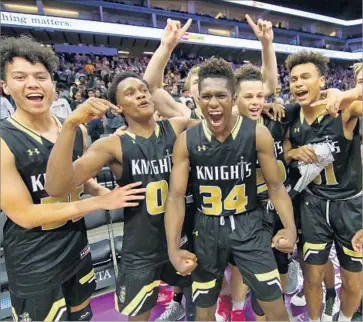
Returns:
(38, 259)
(196, 114)
(223, 174)
(147, 160)
(278, 131)
(343, 178)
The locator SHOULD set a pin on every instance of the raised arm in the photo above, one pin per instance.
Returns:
(18, 205)
(170, 38)
(285, 239)
(263, 31)
(167, 106)
(183, 261)
(60, 161)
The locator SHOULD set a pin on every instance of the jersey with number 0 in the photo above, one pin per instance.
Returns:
(40, 258)
(278, 131)
(343, 178)
(223, 175)
(147, 160)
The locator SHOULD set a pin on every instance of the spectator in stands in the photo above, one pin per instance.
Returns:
(77, 99)
(175, 92)
(6, 109)
(60, 106)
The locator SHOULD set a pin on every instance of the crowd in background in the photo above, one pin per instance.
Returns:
(82, 76)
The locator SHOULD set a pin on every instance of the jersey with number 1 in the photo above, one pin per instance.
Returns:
(41, 258)
(223, 175)
(147, 160)
(343, 178)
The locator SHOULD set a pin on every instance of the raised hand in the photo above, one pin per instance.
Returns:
(274, 111)
(183, 261)
(263, 30)
(173, 32)
(121, 197)
(92, 109)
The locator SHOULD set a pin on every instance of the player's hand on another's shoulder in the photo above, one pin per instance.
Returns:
(91, 109)
(284, 240)
(183, 261)
(274, 111)
(122, 197)
(305, 153)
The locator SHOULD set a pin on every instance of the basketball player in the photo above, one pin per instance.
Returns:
(221, 153)
(331, 206)
(166, 104)
(48, 258)
(142, 154)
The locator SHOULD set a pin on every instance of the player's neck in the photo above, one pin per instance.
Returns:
(311, 113)
(221, 137)
(40, 123)
(144, 129)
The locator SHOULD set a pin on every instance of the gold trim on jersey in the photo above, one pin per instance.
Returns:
(313, 247)
(206, 130)
(135, 305)
(351, 253)
(56, 311)
(260, 120)
(263, 277)
(302, 117)
(199, 114)
(15, 316)
(117, 307)
(202, 288)
(87, 277)
(156, 131)
(236, 127)
(26, 130)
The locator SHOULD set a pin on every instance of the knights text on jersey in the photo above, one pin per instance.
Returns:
(343, 178)
(147, 160)
(43, 257)
(223, 175)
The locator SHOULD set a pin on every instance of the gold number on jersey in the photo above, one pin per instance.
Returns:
(236, 200)
(260, 180)
(73, 196)
(330, 178)
(156, 193)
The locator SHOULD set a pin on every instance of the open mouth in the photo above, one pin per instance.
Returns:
(301, 95)
(144, 104)
(36, 98)
(254, 111)
(216, 118)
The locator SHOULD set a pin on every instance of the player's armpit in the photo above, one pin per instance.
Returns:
(180, 124)
(167, 106)
(175, 203)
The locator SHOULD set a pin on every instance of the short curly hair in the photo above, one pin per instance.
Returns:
(112, 91)
(25, 47)
(305, 57)
(248, 72)
(217, 68)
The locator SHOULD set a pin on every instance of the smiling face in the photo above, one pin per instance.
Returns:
(250, 99)
(134, 98)
(305, 83)
(30, 85)
(216, 101)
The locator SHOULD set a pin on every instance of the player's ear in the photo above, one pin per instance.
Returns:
(234, 99)
(5, 88)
